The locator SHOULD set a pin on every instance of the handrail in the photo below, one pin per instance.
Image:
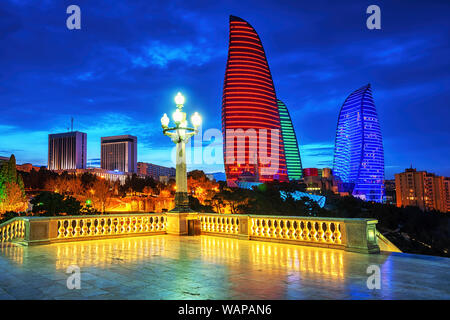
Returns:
(12, 229)
(350, 234)
(130, 214)
(41, 230)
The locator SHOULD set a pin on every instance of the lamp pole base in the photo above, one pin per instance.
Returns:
(181, 203)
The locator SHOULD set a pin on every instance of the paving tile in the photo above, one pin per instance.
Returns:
(169, 267)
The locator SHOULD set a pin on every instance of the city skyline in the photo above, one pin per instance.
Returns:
(122, 85)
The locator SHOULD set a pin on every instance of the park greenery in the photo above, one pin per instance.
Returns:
(12, 192)
(51, 194)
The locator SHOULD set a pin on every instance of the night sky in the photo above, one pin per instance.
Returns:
(120, 72)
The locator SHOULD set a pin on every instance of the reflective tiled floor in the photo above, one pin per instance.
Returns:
(204, 267)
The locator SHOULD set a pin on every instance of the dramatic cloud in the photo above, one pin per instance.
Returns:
(119, 73)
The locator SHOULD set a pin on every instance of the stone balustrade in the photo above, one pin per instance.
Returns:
(221, 224)
(358, 235)
(44, 230)
(12, 229)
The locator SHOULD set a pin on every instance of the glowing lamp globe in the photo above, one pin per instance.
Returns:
(196, 120)
(179, 99)
(177, 116)
(165, 120)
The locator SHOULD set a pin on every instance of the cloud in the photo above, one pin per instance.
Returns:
(118, 74)
(317, 154)
(160, 55)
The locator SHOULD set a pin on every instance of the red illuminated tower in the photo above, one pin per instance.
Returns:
(249, 108)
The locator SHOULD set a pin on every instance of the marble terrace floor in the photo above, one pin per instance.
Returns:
(206, 267)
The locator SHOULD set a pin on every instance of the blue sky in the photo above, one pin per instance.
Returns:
(120, 72)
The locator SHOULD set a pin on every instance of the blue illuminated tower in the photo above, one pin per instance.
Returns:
(358, 155)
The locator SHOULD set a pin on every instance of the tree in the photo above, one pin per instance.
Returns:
(87, 180)
(52, 204)
(12, 192)
(102, 194)
(200, 187)
(15, 199)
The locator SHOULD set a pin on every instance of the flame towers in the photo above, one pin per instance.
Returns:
(253, 138)
(293, 160)
(358, 156)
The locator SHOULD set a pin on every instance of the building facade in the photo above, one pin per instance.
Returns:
(422, 189)
(319, 181)
(112, 176)
(447, 192)
(391, 197)
(119, 153)
(291, 150)
(67, 150)
(358, 156)
(155, 171)
(251, 125)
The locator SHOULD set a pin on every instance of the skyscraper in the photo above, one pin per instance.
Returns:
(291, 151)
(119, 153)
(67, 151)
(253, 142)
(358, 155)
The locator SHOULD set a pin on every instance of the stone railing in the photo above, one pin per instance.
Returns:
(12, 229)
(314, 230)
(357, 235)
(222, 224)
(43, 230)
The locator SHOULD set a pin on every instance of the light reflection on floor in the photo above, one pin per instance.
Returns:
(204, 267)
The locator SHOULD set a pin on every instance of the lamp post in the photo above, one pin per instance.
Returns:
(180, 135)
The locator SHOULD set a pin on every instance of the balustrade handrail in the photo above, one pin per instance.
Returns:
(46, 229)
(12, 229)
(10, 221)
(288, 217)
(88, 216)
(358, 235)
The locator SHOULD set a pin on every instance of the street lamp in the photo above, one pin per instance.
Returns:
(180, 135)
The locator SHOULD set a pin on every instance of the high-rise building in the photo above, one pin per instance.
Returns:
(67, 150)
(358, 155)
(251, 127)
(291, 151)
(422, 189)
(119, 153)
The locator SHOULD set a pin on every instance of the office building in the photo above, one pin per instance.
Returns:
(119, 153)
(67, 150)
